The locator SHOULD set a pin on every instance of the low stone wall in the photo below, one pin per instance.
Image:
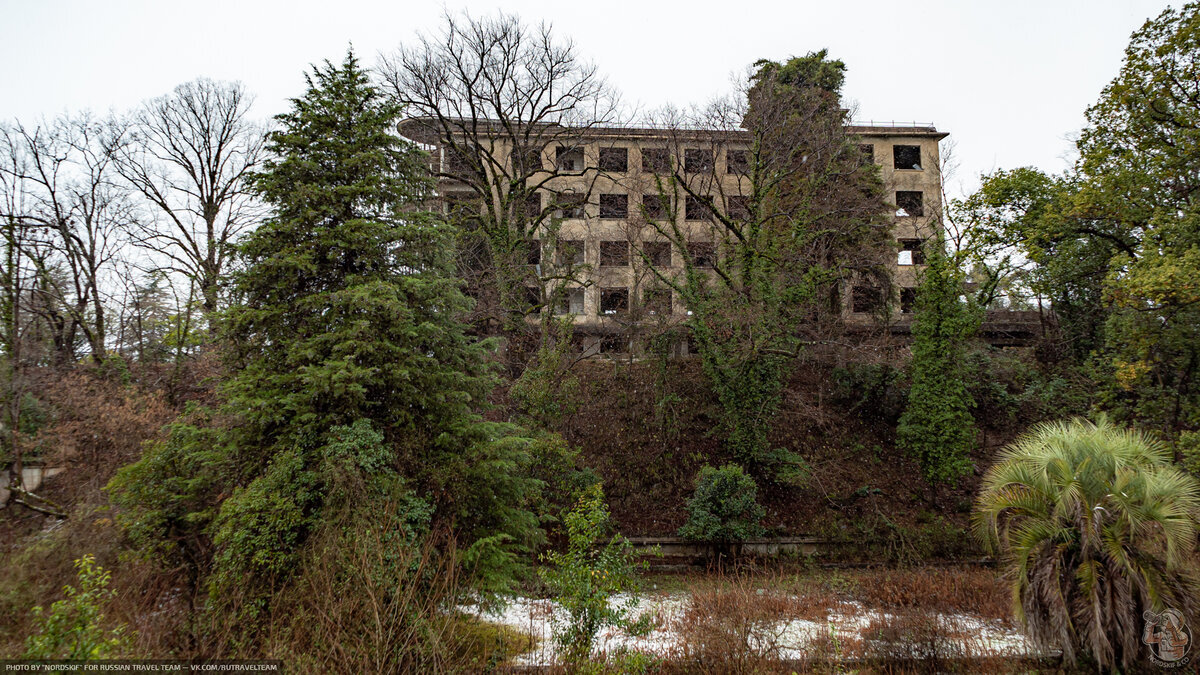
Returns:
(676, 547)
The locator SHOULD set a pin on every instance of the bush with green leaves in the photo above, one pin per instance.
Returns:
(724, 509)
(74, 628)
(587, 575)
(1188, 446)
(1095, 525)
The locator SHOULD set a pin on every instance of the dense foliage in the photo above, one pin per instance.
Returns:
(1095, 526)
(806, 219)
(1114, 243)
(937, 426)
(724, 508)
(312, 466)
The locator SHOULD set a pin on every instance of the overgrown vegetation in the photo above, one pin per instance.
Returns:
(298, 438)
(355, 385)
(937, 426)
(1113, 242)
(585, 578)
(75, 627)
(781, 241)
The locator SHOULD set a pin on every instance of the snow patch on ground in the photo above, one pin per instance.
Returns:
(789, 638)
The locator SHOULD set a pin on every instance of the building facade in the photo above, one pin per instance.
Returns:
(603, 231)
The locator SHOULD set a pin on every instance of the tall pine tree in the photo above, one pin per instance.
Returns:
(356, 391)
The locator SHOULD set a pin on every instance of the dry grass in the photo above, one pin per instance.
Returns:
(147, 600)
(923, 637)
(736, 625)
(922, 620)
(958, 590)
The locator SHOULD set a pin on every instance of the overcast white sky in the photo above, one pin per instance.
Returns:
(1008, 80)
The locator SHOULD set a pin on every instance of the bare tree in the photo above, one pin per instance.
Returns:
(507, 109)
(190, 153)
(73, 215)
(62, 217)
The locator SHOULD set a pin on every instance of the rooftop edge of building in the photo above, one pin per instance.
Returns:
(853, 127)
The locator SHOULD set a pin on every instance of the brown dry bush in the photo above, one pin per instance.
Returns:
(94, 424)
(926, 642)
(734, 626)
(365, 604)
(922, 639)
(978, 591)
(98, 424)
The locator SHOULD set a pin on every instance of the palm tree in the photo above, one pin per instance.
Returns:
(1094, 526)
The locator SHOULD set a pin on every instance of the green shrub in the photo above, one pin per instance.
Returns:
(548, 391)
(586, 576)
(74, 626)
(874, 390)
(1189, 447)
(724, 508)
(1008, 387)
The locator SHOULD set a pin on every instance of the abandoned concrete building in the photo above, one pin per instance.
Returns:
(593, 247)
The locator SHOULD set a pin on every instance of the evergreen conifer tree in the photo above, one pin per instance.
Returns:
(356, 391)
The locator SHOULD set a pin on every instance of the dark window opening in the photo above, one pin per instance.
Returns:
(569, 252)
(614, 344)
(533, 299)
(456, 163)
(658, 253)
(906, 156)
(701, 253)
(868, 152)
(908, 300)
(614, 301)
(571, 302)
(738, 207)
(614, 254)
(657, 301)
(737, 161)
(912, 252)
(614, 206)
(656, 160)
(910, 203)
(568, 159)
(656, 206)
(533, 252)
(695, 208)
(697, 160)
(866, 299)
(533, 205)
(614, 159)
(571, 205)
(526, 160)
